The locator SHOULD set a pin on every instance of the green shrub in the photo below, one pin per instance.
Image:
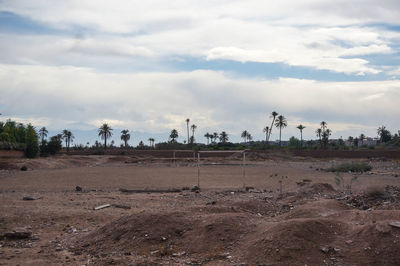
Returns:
(350, 167)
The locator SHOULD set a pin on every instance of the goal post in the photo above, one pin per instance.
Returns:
(243, 152)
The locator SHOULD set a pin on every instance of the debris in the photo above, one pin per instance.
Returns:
(78, 188)
(348, 242)
(28, 198)
(178, 254)
(102, 207)
(154, 252)
(174, 190)
(395, 224)
(126, 207)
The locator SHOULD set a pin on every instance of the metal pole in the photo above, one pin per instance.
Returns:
(198, 169)
(244, 169)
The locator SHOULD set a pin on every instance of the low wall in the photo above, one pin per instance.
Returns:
(11, 154)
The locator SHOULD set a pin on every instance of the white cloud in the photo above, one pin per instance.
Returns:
(317, 34)
(214, 101)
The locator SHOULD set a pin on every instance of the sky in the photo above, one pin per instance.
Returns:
(146, 66)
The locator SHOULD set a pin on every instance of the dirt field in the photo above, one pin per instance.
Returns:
(234, 219)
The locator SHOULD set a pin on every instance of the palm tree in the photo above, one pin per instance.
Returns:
(266, 131)
(105, 132)
(323, 126)
(215, 137)
(325, 136)
(280, 122)
(249, 137)
(43, 133)
(174, 135)
(301, 127)
(187, 126)
(68, 136)
(273, 116)
(362, 138)
(245, 135)
(125, 136)
(208, 136)
(223, 137)
(152, 142)
(193, 128)
(319, 135)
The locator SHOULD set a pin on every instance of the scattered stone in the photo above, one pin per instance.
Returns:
(211, 203)
(348, 242)
(329, 250)
(178, 254)
(28, 198)
(78, 188)
(195, 188)
(24, 168)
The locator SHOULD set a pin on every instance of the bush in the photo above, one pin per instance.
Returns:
(350, 167)
(32, 143)
(51, 147)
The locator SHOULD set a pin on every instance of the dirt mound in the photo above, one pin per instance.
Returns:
(322, 188)
(149, 234)
(7, 166)
(375, 244)
(291, 241)
(317, 189)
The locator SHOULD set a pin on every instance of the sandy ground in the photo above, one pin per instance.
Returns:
(311, 223)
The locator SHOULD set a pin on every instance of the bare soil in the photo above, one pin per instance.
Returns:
(239, 217)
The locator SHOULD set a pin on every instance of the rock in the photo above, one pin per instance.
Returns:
(18, 234)
(395, 224)
(24, 168)
(78, 188)
(211, 203)
(348, 242)
(382, 228)
(195, 188)
(28, 198)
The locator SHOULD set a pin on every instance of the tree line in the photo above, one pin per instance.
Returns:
(15, 135)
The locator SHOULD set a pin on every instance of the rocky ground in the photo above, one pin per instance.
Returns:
(48, 216)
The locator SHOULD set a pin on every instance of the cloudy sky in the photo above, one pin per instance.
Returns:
(148, 65)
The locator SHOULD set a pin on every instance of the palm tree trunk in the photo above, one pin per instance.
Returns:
(105, 142)
(280, 136)
(301, 138)
(187, 125)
